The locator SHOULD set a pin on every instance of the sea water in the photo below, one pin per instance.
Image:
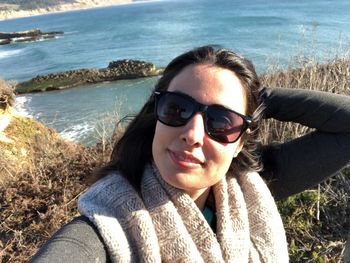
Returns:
(265, 31)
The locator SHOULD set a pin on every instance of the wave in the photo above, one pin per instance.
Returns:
(21, 105)
(78, 133)
(10, 53)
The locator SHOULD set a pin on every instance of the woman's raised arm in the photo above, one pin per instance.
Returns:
(303, 162)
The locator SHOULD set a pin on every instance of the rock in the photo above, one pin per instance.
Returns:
(5, 41)
(120, 69)
(27, 39)
(129, 68)
(27, 33)
(27, 36)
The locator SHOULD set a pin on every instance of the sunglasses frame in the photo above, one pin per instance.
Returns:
(201, 108)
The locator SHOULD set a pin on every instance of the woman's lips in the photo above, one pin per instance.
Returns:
(185, 159)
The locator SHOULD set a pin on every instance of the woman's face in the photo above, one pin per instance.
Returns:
(187, 158)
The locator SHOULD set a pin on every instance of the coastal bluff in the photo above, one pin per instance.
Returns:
(24, 142)
(22, 8)
(116, 70)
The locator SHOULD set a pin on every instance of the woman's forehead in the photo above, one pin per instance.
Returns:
(210, 84)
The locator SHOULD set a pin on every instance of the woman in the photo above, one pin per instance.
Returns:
(183, 182)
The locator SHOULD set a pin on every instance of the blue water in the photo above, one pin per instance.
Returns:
(264, 31)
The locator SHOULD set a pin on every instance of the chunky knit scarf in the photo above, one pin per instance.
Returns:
(165, 225)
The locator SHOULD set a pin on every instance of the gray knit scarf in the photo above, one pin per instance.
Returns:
(165, 225)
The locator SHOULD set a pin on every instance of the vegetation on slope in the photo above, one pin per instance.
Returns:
(41, 175)
(30, 5)
(7, 97)
(317, 221)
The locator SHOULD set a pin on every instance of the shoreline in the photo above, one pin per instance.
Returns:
(79, 5)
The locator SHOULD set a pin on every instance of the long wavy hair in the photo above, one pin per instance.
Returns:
(134, 149)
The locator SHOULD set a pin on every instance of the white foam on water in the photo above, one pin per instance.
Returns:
(10, 53)
(78, 132)
(21, 107)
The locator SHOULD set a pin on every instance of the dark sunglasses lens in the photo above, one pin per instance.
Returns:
(174, 109)
(223, 125)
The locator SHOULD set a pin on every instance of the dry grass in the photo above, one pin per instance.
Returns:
(40, 199)
(333, 77)
(317, 221)
(41, 177)
(7, 97)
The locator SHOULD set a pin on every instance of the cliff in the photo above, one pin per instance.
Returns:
(41, 175)
(23, 8)
(25, 142)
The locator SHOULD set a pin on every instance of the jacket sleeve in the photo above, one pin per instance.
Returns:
(78, 241)
(303, 162)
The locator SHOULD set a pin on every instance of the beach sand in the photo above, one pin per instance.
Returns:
(79, 4)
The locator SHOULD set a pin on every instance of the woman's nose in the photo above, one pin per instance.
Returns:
(194, 131)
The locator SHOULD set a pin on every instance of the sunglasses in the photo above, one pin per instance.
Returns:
(221, 124)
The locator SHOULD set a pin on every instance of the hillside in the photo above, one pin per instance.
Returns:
(24, 141)
(41, 175)
(29, 5)
(22, 8)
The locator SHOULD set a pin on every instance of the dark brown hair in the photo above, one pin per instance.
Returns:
(134, 149)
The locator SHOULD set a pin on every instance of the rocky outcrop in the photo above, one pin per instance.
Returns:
(116, 70)
(27, 36)
(126, 66)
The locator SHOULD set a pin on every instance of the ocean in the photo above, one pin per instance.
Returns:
(268, 32)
